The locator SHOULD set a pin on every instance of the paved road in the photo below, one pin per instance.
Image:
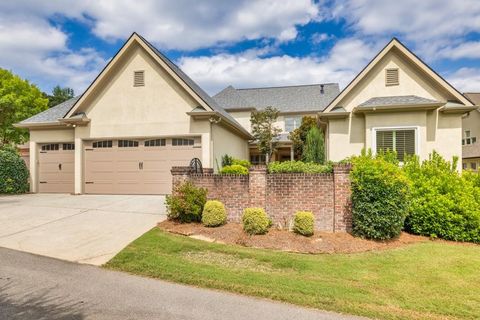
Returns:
(35, 287)
(86, 228)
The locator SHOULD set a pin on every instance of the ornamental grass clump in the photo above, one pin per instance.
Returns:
(255, 221)
(214, 214)
(303, 223)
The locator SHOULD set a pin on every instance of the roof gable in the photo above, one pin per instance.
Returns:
(395, 46)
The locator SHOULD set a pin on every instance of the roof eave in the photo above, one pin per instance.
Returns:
(462, 109)
(406, 107)
(334, 115)
(209, 114)
(28, 125)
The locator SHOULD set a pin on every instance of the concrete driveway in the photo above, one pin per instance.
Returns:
(86, 228)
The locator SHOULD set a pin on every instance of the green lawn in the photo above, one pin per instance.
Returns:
(432, 280)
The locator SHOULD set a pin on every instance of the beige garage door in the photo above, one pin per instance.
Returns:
(56, 167)
(136, 166)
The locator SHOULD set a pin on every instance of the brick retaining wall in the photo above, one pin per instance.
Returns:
(281, 195)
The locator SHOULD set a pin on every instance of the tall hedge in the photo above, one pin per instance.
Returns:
(379, 198)
(13, 172)
(443, 203)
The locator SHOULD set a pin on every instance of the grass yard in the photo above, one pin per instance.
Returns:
(432, 280)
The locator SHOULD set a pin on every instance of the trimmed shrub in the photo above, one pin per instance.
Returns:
(234, 169)
(13, 172)
(379, 198)
(227, 160)
(255, 221)
(303, 223)
(186, 203)
(443, 203)
(214, 214)
(243, 163)
(298, 167)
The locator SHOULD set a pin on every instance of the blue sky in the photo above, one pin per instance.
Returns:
(242, 43)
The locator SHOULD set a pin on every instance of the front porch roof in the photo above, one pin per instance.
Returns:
(398, 103)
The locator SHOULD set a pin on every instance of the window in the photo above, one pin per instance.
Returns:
(139, 78)
(473, 165)
(464, 166)
(391, 77)
(402, 141)
(50, 147)
(155, 143)
(102, 144)
(127, 143)
(468, 138)
(257, 158)
(292, 123)
(183, 142)
(68, 146)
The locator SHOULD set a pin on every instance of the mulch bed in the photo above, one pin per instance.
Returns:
(320, 242)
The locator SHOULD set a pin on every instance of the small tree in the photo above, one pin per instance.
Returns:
(264, 131)
(314, 149)
(60, 95)
(299, 135)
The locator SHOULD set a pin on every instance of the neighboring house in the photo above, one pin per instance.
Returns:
(293, 102)
(142, 115)
(470, 132)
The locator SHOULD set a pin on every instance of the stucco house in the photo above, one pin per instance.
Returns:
(470, 132)
(142, 115)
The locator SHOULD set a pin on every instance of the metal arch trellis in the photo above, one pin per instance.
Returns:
(196, 166)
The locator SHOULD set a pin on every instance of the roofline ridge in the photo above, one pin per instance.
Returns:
(289, 86)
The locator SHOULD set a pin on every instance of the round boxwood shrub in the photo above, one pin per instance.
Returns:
(214, 214)
(303, 223)
(379, 198)
(13, 172)
(234, 169)
(255, 221)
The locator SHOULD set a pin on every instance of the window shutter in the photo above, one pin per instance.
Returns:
(391, 77)
(405, 143)
(384, 141)
(138, 78)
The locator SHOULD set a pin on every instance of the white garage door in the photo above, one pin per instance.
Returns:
(136, 166)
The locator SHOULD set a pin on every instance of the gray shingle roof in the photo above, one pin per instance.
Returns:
(471, 151)
(286, 99)
(52, 114)
(396, 101)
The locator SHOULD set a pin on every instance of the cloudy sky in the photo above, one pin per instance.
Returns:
(242, 43)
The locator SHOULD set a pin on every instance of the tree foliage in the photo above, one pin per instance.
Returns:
(19, 99)
(264, 131)
(60, 95)
(314, 149)
(299, 135)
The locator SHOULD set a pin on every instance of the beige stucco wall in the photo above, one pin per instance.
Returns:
(242, 117)
(226, 142)
(436, 131)
(52, 135)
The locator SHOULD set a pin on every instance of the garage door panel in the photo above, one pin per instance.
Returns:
(135, 170)
(56, 170)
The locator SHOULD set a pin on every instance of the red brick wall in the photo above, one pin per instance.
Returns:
(326, 195)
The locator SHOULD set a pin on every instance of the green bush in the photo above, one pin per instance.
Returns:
(227, 160)
(214, 214)
(379, 197)
(186, 203)
(13, 172)
(298, 167)
(234, 169)
(243, 163)
(303, 223)
(443, 203)
(255, 221)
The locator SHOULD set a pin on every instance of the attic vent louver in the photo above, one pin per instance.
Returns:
(139, 78)
(391, 77)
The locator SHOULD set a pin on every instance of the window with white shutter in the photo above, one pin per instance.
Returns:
(400, 140)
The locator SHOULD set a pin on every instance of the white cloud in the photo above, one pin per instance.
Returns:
(466, 79)
(470, 50)
(319, 37)
(244, 70)
(430, 24)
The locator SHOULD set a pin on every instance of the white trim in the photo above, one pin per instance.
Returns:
(417, 136)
